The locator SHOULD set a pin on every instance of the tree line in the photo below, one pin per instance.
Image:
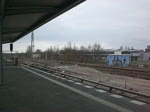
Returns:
(93, 53)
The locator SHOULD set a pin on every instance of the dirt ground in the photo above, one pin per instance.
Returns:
(135, 84)
(138, 85)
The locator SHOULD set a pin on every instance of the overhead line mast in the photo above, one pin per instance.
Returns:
(32, 44)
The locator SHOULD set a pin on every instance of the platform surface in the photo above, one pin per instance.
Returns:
(25, 91)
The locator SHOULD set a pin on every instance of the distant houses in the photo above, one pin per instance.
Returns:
(123, 57)
(141, 55)
(37, 54)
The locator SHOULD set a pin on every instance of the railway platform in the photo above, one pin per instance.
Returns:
(29, 90)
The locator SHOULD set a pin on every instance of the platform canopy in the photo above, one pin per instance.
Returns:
(21, 17)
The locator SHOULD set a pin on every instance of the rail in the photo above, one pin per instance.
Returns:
(127, 71)
(62, 73)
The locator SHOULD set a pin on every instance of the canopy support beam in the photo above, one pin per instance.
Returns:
(30, 10)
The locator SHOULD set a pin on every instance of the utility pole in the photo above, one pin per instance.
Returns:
(46, 55)
(32, 44)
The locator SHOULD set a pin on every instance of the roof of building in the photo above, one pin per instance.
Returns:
(122, 50)
(21, 17)
(118, 55)
(127, 50)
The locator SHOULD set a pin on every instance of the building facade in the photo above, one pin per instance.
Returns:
(145, 56)
(36, 55)
(118, 60)
(147, 49)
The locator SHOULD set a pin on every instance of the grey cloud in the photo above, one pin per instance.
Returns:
(113, 22)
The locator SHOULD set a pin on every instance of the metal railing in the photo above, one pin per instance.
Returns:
(65, 74)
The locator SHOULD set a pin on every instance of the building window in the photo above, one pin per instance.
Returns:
(124, 61)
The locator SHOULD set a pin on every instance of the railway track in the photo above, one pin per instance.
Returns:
(74, 76)
(127, 71)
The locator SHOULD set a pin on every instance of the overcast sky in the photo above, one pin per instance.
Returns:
(111, 23)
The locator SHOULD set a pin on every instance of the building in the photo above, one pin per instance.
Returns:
(142, 56)
(36, 55)
(118, 60)
(147, 49)
(123, 57)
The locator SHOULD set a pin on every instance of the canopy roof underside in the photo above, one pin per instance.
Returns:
(21, 17)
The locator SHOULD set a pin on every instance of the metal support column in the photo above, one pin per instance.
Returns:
(32, 44)
(2, 15)
(1, 55)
